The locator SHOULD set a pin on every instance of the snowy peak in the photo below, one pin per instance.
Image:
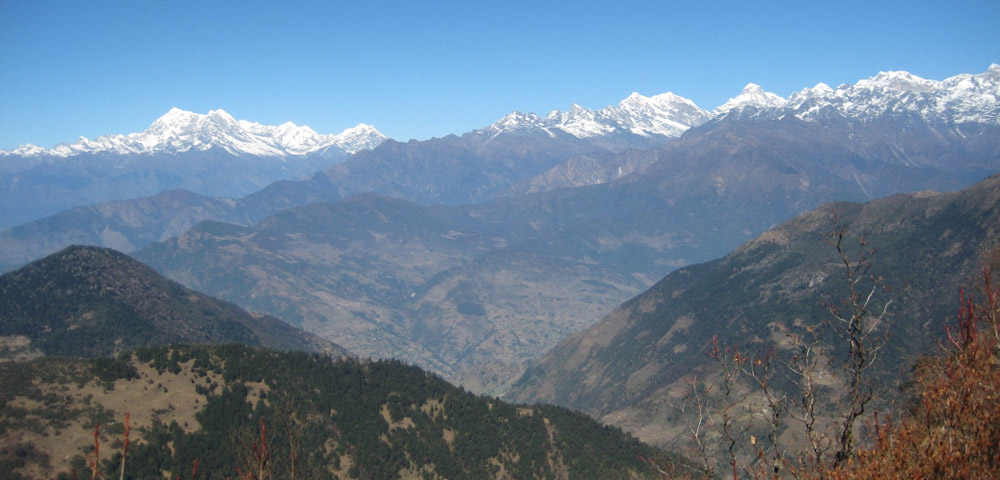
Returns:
(798, 98)
(173, 117)
(359, 137)
(581, 122)
(899, 81)
(180, 131)
(518, 122)
(752, 95)
(964, 98)
(666, 115)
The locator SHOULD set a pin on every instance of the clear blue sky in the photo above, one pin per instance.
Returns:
(423, 69)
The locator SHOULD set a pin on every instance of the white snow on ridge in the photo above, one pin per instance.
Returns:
(180, 131)
(964, 98)
(959, 99)
(752, 95)
(579, 122)
(666, 115)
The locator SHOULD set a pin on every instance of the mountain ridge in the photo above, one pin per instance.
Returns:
(179, 131)
(961, 99)
(666, 115)
(966, 98)
(89, 301)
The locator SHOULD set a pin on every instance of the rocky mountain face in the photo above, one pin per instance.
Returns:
(88, 301)
(212, 154)
(627, 369)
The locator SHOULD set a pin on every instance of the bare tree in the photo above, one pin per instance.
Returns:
(804, 368)
(760, 371)
(696, 411)
(855, 320)
(731, 403)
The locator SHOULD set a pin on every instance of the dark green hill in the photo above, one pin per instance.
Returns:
(324, 418)
(625, 367)
(89, 301)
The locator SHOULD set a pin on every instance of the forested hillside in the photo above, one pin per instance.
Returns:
(214, 406)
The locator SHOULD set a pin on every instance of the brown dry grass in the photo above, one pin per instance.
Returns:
(166, 397)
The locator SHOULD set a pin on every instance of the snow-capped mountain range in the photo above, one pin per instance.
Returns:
(665, 115)
(181, 131)
(210, 154)
(965, 98)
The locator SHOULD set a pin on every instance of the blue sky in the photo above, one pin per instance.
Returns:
(423, 69)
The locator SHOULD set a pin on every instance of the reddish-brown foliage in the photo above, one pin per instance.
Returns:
(955, 431)
(94, 461)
